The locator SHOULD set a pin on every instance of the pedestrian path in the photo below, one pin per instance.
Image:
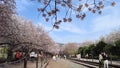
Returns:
(20, 65)
(63, 63)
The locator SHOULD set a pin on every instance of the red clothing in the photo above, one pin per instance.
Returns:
(18, 55)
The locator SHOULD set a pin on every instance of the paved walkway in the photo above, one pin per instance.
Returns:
(20, 65)
(62, 63)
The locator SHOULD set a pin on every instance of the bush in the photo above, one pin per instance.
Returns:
(114, 57)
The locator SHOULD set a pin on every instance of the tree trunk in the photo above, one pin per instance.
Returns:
(25, 59)
(37, 60)
(25, 62)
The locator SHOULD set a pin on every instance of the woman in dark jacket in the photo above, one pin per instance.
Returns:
(105, 60)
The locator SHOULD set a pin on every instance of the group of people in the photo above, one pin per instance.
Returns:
(56, 57)
(103, 60)
(32, 55)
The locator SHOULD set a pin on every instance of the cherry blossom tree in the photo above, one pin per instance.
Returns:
(70, 48)
(51, 9)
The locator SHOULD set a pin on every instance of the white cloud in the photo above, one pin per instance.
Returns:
(110, 20)
(48, 28)
(22, 4)
(57, 38)
(72, 28)
(65, 27)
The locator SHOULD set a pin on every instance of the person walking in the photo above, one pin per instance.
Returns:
(105, 60)
(64, 56)
(54, 58)
(33, 56)
(100, 60)
(18, 55)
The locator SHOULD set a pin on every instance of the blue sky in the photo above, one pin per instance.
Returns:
(92, 28)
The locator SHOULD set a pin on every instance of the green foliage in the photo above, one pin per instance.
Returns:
(115, 57)
(108, 48)
(94, 50)
(115, 50)
(3, 52)
(81, 51)
(117, 43)
(91, 49)
(99, 47)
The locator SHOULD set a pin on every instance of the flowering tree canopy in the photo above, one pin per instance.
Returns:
(50, 9)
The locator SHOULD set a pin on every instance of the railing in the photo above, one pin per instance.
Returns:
(92, 63)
